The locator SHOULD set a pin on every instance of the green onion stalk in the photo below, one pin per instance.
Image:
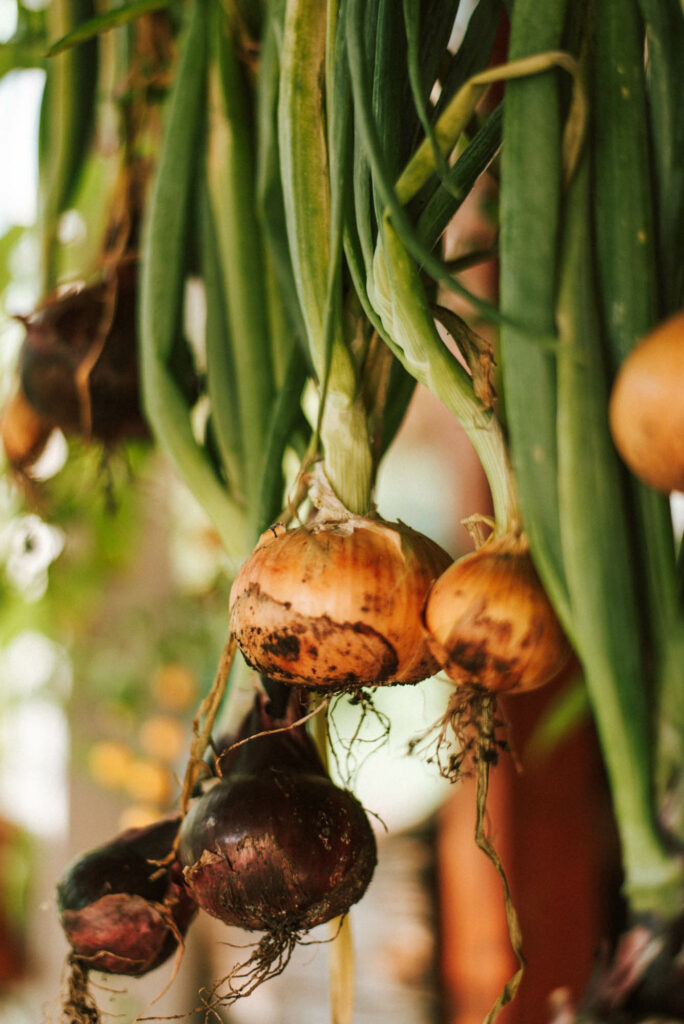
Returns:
(582, 517)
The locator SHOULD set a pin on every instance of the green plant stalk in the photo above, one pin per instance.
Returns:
(284, 417)
(627, 266)
(475, 50)
(446, 200)
(221, 377)
(421, 166)
(67, 121)
(285, 320)
(397, 295)
(231, 176)
(162, 283)
(531, 174)
(599, 570)
(104, 22)
(304, 170)
(665, 81)
(382, 177)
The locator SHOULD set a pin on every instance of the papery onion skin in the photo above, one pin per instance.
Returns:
(490, 623)
(647, 407)
(117, 917)
(336, 603)
(275, 845)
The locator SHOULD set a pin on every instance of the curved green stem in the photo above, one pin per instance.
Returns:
(232, 177)
(162, 287)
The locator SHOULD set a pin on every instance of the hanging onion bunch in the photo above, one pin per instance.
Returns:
(491, 627)
(335, 604)
(124, 909)
(273, 845)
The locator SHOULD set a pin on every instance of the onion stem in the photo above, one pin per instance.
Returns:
(596, 552)
(315, 251)
(531, 173)
(162, 283)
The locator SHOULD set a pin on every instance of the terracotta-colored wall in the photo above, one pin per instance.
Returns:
(552, 826)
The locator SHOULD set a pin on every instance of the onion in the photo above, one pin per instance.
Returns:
(490, 624)
(24, 432)
(274, 846)
(647, 408)
(78, 362)
(336, 603)
(120, 911)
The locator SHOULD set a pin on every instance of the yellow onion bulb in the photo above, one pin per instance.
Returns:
(647, 407)
(336, 603)
(490, 624)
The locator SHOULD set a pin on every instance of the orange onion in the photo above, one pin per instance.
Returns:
(336, 603)
(647, 407)
(490, 624)
(24, 432)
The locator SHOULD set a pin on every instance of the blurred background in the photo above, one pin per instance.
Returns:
(113, 611)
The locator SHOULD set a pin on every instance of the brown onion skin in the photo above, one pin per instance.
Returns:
(336, 603)
(647, 407)
(275, 844)
(490, 623)
(115, 915)
(62, 333)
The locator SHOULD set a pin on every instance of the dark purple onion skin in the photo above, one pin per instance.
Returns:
(274, 843)
(119, 913)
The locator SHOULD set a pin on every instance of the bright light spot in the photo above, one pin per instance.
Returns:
(402, 789)
(8, 21)
(33, 784)
(195, 320)
(72, 228)
(52, 458)
(20, 95)
(31, 547)
(677, 510)
(31, 662)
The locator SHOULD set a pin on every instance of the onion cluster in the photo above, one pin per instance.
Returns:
(336, 603)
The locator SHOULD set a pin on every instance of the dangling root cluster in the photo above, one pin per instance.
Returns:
(357, 748)
(467, 735)
(472, 723)
(270, 957)
(78, 1005)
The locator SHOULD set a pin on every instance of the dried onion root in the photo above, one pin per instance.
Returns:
(493, 630)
